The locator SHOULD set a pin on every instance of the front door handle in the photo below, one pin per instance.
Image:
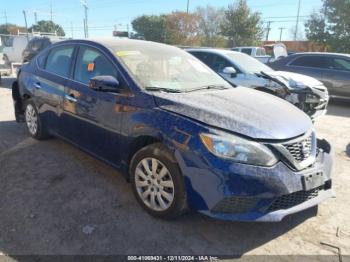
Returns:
(71, 98)
(37, 85)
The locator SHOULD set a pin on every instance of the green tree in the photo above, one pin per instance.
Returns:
(48, 27)
(332, 26)
(210, 19)
(242, 26)
(150, 27)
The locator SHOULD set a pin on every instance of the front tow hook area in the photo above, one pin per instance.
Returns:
(324, 145)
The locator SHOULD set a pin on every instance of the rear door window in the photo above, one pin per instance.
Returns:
(312, 61)
(59, 60)
(91, 63)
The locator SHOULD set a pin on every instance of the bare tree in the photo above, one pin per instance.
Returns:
(210, 20)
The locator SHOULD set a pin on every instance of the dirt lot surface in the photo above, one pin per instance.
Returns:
(56, 199)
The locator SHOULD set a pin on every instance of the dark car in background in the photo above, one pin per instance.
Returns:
(330, 68)
(36, 45)
(239, 69)
(178, 131)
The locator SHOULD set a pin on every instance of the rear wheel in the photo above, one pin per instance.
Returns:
(157, 182)
(34, 124)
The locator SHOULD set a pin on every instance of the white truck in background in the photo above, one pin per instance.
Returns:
(277, 50)
(258, 53)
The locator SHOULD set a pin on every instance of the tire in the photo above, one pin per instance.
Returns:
(165, 187)
(33, 121)
(6, 60)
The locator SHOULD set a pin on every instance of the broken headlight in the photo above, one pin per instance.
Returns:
(239, 149)
(296, 84)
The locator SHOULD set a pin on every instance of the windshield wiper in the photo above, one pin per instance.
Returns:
(162, 89)
(208, 87)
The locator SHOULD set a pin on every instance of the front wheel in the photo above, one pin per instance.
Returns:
(157, 182)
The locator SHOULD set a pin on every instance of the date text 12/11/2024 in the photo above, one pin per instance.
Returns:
(173, 258)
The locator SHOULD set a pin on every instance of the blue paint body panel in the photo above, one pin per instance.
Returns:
(108, 124)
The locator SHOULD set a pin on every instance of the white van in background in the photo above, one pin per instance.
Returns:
(14, 46)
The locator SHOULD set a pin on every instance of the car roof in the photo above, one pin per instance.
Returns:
(116, 43)
(213, 51)
(322, 53)
(247, 47)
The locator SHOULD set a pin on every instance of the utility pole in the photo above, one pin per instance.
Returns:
(51, 13)
(188, 6)
(71, 28)
(25, 20)
(268, 29)
(35, 17)
(86, 28)
(6, 24)
(297, 24)
(281, 32)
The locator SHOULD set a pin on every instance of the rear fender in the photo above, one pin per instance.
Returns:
(17, 102)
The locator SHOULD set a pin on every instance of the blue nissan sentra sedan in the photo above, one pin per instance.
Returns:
(181, 135)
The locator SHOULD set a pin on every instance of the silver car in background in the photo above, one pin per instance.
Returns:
(307, 93)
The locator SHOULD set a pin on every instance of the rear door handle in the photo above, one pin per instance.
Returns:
(37, 85)
(71, 98)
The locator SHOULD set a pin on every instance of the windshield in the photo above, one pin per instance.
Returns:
(166, 67)
(248, 64)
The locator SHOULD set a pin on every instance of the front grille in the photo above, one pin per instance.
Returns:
(234, 205)
(300, 150)
(293, 199)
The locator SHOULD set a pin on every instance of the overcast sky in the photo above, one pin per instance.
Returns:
(103, 15)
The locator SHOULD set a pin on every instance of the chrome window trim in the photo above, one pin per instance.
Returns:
(76, 45)
(289, 64)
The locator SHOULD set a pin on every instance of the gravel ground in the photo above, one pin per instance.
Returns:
(56, 199)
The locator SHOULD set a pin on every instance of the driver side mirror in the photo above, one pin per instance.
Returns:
(104, 84)
(230, 71)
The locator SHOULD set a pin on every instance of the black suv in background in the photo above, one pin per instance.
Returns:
(36, 45)
(332, 69)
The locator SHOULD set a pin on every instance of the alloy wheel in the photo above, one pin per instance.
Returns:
(31, 119)
(154, 184)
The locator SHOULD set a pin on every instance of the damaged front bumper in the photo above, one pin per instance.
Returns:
(241, 192)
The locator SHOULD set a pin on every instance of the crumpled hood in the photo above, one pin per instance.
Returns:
(298, 78)
(240, 110)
